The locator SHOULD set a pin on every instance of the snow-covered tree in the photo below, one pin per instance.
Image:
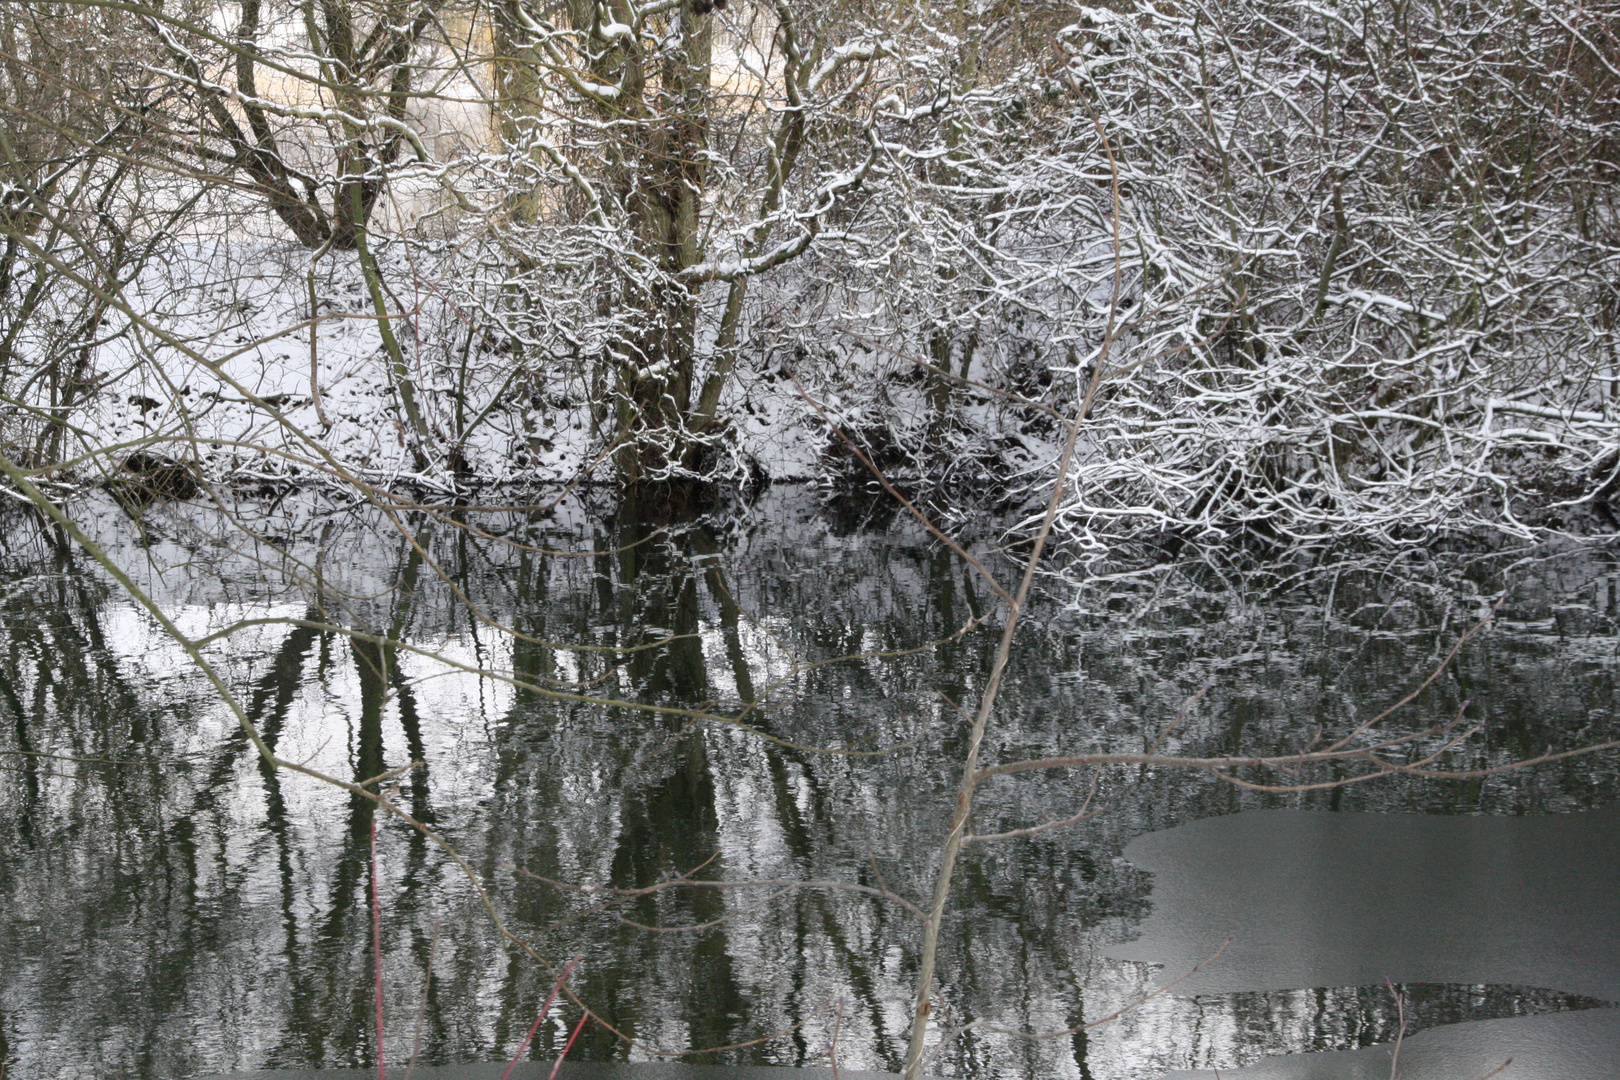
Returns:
(307, 107)
(78, 217)
(1385, 233)
(656, 159)
(1354, 262)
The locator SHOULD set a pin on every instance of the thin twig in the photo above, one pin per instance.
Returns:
(1400, 1031)
(784, 885)
(995, 586)
(1085, 813)
(544, 1009)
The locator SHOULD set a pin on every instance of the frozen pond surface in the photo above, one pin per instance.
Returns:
(169, 908)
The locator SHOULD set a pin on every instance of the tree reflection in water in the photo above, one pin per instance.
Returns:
(171, 907)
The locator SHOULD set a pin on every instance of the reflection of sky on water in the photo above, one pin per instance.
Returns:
(190, 914)
(1312, 899)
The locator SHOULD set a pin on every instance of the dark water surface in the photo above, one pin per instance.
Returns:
(169, 907)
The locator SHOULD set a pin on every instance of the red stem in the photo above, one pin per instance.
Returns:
(376, 947)
(524, 1045)
(569, 1045)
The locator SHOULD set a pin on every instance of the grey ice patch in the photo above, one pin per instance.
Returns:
(1315, 899)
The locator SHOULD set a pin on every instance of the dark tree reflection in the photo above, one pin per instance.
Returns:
(170, 906)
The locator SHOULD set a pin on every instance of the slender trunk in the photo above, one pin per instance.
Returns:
(416, 431)
(662, 186)
(260, 156)
(957, 835)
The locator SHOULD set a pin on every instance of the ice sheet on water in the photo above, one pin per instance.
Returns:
(1315, 899)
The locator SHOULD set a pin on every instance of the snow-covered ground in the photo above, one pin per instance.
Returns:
(228, 364)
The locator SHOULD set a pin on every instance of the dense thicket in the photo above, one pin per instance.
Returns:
(1402, 220)
(1354, 263)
